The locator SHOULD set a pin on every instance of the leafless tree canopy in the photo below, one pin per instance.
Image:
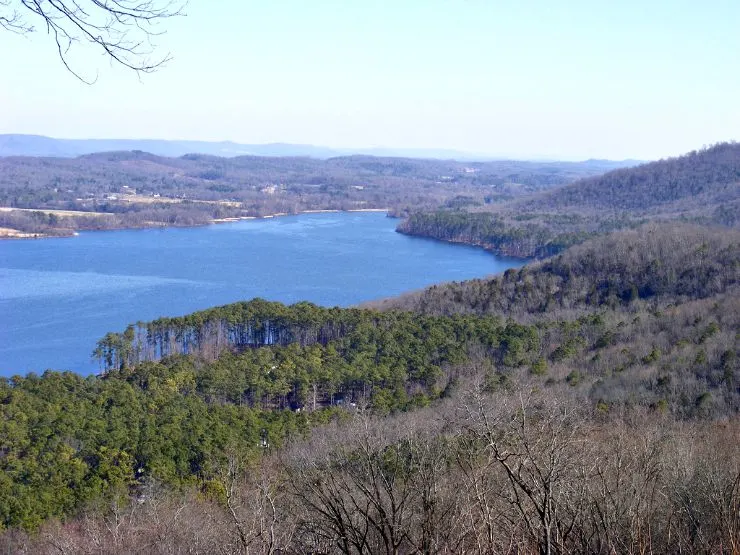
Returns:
(121, 29)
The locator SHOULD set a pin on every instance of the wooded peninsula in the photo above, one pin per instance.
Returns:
(587, 402)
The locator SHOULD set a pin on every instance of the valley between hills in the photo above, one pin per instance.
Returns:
(587, 402)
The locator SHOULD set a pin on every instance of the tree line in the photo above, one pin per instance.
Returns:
(487, 230)
(700, 187)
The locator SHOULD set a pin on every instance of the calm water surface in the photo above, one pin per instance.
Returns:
(59, 296)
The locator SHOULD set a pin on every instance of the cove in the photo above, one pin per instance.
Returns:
(58, 297)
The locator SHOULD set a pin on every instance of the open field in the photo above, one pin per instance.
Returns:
(9, 233)
(63, 213)
(196, 190)
(142, 199)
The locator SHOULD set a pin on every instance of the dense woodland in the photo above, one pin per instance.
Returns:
(711, 175)
(702, 186)
(584, 404)
(660, 263)
(137, 189)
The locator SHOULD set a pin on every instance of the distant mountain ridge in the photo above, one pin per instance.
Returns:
(38, 145)
(41, 146)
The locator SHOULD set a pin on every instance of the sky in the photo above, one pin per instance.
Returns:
(566, 79)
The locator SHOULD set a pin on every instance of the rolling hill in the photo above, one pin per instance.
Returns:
(700, 187)
(708, 176)
(144, 189)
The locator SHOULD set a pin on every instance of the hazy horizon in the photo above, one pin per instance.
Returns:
(373, 150)
(536, 81)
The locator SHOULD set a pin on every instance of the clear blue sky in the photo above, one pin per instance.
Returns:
(565, 79)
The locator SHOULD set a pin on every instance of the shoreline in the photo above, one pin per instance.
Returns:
(9, 233)
(282, 214)
(476, 245)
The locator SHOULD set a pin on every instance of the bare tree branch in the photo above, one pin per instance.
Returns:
(122, 30)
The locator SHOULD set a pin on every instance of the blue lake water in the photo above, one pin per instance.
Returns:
(59, 296)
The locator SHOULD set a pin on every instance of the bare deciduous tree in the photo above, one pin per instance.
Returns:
(539, 446)
(377, 486)
(255, 506)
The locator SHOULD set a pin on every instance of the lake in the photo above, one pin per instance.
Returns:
(59, 296)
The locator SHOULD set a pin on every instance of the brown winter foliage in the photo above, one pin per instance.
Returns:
(701, 187)
(586, 403)
(481, 473)
(607, 423)
(195, 189)
(665, 263)
(647, 316)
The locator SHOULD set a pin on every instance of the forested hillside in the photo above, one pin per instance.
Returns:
(137, 189)
(584, 404)
(711, 175)
(702, 186)
(525, 237)
(630, 314)
(668, 263)
(487, 473)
